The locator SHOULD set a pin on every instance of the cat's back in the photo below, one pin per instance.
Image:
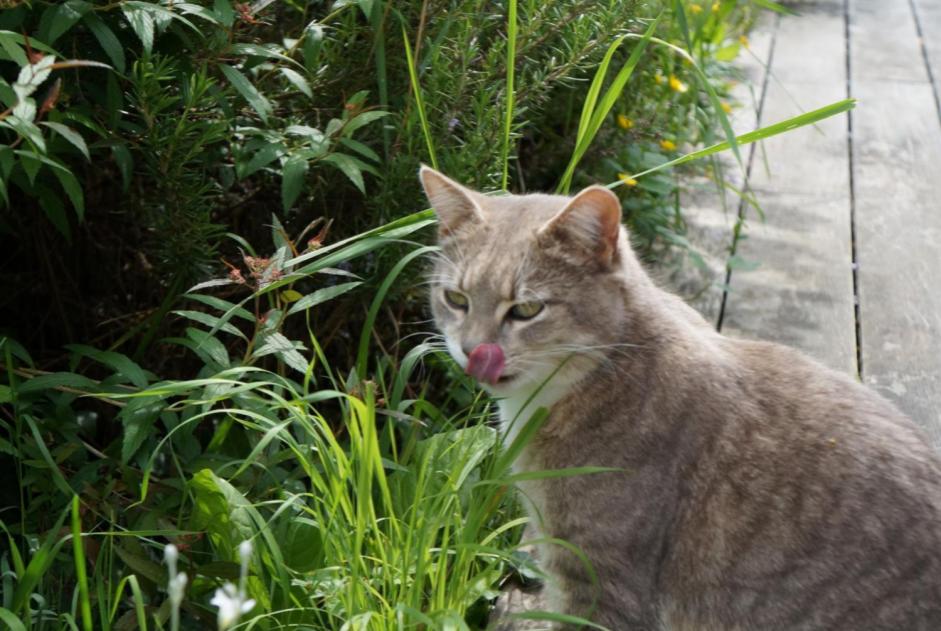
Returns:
(816, 504)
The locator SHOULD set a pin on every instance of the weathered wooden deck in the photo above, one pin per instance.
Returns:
(849, 252)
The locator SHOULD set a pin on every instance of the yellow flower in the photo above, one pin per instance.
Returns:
(726, 107)
(627, 179)
(668, 145)
(659, 78)
(624, 122)
(677, 85)
(695, 8)
(743, 40)
(715, 7)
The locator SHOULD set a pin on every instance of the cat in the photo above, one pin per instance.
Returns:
(752, 487)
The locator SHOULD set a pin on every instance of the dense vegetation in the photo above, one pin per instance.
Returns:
(213, 322)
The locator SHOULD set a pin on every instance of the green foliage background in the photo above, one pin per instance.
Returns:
(211, 283)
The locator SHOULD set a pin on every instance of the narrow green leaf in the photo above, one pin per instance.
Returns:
(81, 572)
(142, 23)
(313, 38)
(808, 118)
(138, 418)
(297, 81)
(39, 563)
(351, 168)
(419, 102)
(213, 322)
(107, 40)
(224, 12)
(65, 17)
(321, 296)
(292, 180)
(73, 189)
(70, 135)
(251, 94)
(7, 617)
(360, 148)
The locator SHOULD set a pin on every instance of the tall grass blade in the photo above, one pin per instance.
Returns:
(419, 102)
(753, 136)
(78, 550)
(594, 112)
(511, 33)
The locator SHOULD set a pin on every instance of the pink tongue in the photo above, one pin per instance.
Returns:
(485, 363)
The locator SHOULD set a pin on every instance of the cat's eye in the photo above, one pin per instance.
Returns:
(526, 310)
(456, 299)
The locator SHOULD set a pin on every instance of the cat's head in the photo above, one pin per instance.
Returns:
(527, 287)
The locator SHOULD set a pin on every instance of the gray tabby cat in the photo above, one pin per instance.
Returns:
(760, 490)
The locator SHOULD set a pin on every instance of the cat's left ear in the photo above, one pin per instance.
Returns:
(454, 204)
(590, 222)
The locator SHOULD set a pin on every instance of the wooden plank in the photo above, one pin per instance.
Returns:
(709, 213)
(896, 153)
(929, 16)
(884, 42)
(802, 292)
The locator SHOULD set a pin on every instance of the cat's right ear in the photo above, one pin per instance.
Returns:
(454, 204)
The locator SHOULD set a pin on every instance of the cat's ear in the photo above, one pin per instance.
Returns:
(454, 204)
(590, 222)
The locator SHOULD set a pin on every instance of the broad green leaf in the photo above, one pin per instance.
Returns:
(70, 135)
(107, 40)
(222, 511)
(248, 91)
(292, 180)
(121, 364)
(322, 295)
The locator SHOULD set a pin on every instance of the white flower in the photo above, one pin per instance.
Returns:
(170, 555)
(245, 551)
(232, 604)
(176, 588)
